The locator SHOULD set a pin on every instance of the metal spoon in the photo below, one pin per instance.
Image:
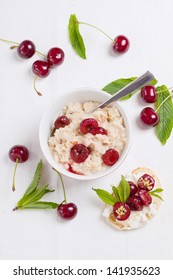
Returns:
(136, 84)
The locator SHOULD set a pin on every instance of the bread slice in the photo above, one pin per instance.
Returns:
(137, 219)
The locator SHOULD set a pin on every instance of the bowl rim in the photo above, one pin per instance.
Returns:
(60, 168)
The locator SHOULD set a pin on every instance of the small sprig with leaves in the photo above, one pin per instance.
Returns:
(33, 194)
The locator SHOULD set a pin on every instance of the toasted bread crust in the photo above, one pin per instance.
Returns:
(121, 225)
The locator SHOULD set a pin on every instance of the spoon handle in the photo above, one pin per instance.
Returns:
(136, 84)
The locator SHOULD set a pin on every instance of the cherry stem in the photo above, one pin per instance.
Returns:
(14, 175)
(35, 79)
(63, 187)
(80, 22)
(17, 44)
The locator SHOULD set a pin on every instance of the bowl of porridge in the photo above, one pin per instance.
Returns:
(84, 145)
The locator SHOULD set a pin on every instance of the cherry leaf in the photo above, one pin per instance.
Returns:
(165, 112)
(75, 37)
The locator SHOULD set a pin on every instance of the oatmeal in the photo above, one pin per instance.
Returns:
(88, 143)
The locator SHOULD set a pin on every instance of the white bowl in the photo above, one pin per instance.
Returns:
(78, 95)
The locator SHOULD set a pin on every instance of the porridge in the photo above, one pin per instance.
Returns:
(88, 143)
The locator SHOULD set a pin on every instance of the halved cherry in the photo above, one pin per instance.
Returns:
(110, 157)
(87, 124)
(135, 203)
(145, 197)
(133, 187)
(61, 121)
(121, 211)
(98, 130)
(79, 153)
(146, 182)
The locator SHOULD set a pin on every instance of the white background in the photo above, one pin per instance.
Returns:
(41, 234)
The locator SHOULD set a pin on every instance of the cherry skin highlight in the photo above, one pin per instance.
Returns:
(98, 130)
(79, 153)
(26, 49)
(133, 187)
(149, 117)
(19, 152)
(145, 197)
(55, 57)
(148, 93)
(135, 203)
(67, 211)
(40, 68)
(121, 44)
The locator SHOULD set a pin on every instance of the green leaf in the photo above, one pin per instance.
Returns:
(40, 205)
(116, 85)
(155, 193)
(115, 192)
(75, 37)
(34, 184)
(165, 112)
(105, 196)
(123, 189)
(34, 196)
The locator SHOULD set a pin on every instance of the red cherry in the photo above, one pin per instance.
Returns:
(135, 203)
(148, 93)
(145, 197)
(110, 157)
(61, 121)
(55, 57)
(79, 153)
(98, 130)
(67, 211)
(121, 211)
(146, 182)
(41, 68)
(87, 124)
(26, 49)
(18, 154)
(149, 117)
(121, 44)
(133, 187)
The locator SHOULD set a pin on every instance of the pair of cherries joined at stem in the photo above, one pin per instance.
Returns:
(148, 115)
(41, 68)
